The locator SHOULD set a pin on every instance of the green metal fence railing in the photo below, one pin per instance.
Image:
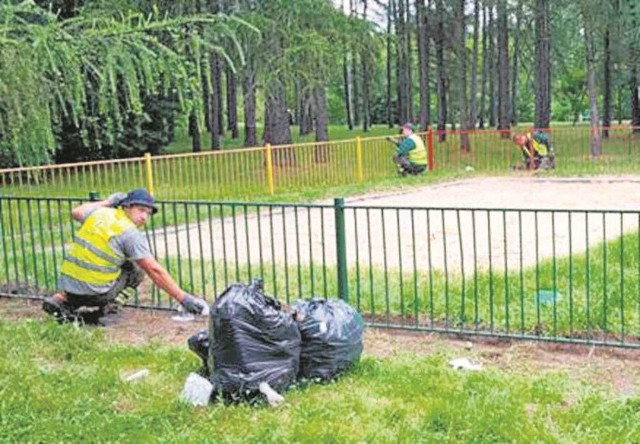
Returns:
(556, 275)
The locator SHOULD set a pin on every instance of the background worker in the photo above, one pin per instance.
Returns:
(535, 147)
(411, 155)
(109, 253)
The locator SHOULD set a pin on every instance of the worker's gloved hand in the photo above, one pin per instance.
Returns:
(194, 305)
(392, 140)
(116, 199)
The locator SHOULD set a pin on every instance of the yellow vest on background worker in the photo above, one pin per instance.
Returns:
(538, 147)
(418, 155)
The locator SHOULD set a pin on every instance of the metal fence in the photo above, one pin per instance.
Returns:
(253, 173)
(557, 275)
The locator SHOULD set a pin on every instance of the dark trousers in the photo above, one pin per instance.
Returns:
(130, 277)
(405, 166)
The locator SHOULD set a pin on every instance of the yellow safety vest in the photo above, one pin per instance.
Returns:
(90, 258)
(539, 148)
(418, 155)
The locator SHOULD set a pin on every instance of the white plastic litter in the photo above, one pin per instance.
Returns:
(197, 390)
(273, 398)
(137, 375)
(464, 364)
(183, 316)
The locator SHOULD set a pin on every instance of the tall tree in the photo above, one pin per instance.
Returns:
(590, 26)
(96, 81)
(403, 63)
(493, 67)
(424, 46)
(514, 67)
(473, 92)
(503, 63)
(439, 39)
(366, 80)
(485, 67)
(461, 72)
(542, 64)
(389, 63)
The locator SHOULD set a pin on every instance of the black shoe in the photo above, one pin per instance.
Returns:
(61, 311)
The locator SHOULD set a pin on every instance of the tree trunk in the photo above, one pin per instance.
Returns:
(442, 79)
(514, 68)
(321, 150)
(543, 63)
(590, 51)
(503, 61)
(305, 120)
(408, 64)
(348, 101)
(634, 63)
(461, 56)
(277, 130)
(232, 104)
(606, 93)
(249, 106)
(390, 117)
(493, 69)
(215, 103)
(366, 83)
(355, 90)
(473, 113)
(423, 63)
(402, 69)
(194, 133)
(635, 100)
(485, 67)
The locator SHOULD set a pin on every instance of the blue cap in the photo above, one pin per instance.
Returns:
(409, 126)
(140, 197)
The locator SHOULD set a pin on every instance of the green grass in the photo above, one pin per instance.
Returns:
(63, 384)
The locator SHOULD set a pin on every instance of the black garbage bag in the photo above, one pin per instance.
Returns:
(199, 344)
(251, 341)
(331, 337)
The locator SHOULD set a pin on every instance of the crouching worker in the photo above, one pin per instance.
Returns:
(411, 155)
(536, 148)
(109, 253)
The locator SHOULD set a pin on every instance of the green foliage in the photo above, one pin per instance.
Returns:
(92, 72)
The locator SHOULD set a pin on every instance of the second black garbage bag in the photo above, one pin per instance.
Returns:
(331, 337)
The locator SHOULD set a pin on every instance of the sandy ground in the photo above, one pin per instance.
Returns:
(489, 222)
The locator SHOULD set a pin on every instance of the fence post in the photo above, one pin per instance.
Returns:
(359, 159)
(149, 172)
(267, 152)
(430, 147)
(341, 249)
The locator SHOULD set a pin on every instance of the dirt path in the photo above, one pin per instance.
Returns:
(497, 222)
(616, 371)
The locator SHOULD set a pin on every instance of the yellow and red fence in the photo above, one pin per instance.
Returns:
(264, 171)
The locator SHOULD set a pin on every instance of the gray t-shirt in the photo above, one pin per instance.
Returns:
(132, 245)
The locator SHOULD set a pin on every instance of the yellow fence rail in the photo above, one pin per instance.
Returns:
(248, 173)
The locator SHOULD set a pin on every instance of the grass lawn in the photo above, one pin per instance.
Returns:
(65, 384)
